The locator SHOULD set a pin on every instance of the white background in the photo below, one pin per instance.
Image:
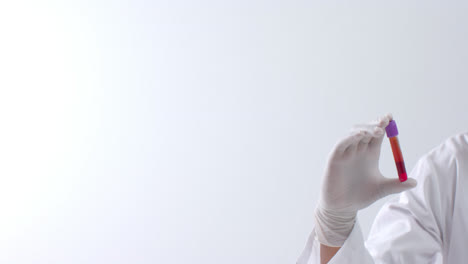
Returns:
(197, 131)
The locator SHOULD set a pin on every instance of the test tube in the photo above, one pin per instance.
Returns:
(392, 134)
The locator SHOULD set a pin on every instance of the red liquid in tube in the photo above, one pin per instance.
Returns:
(398, 156)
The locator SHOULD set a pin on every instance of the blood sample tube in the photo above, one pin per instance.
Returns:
(392, 134)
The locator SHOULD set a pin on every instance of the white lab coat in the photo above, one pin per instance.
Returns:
(428, 224)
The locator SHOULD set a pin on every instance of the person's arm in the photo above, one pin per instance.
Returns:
(327, 253)
(353, 250)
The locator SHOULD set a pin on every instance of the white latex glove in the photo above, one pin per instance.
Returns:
(353, 181)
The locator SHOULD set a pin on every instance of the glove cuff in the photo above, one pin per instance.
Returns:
(333, 228)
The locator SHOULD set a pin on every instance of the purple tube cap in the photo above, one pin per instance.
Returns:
(391, 129)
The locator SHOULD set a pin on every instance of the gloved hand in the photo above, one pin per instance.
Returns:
(353, 181)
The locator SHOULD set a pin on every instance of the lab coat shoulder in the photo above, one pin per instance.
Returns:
(451, 165)
(446, 158)
(416, 227)
(455, 146)
(440, 173)
(443, 173)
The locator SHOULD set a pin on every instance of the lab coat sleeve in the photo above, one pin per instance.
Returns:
(408, 229)
(352, 251)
